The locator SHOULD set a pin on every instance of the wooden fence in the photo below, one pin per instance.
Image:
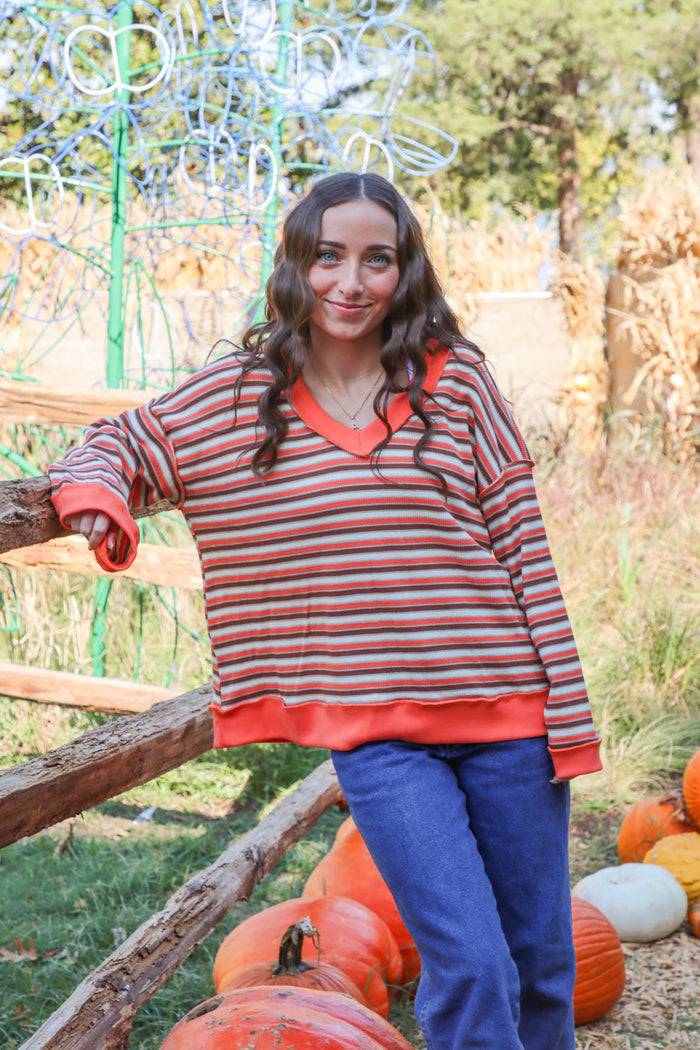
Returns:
(160, 735)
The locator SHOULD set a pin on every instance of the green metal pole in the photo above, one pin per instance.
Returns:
(286, 11)
(115, 322)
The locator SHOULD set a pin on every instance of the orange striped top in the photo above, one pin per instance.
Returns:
(348, 600)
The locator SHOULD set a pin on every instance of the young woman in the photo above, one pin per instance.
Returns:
(378, 581)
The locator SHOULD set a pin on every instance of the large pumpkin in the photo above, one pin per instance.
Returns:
(271, 1018)
(649, 820)
(351, 937)
(348, 870)
(644, 902)
(348, 829)
(600, 963)
(691, 788)
(291, 969)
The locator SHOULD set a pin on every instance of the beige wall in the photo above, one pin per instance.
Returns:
(525, 337)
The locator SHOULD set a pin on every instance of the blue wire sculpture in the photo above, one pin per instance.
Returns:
(167, 142)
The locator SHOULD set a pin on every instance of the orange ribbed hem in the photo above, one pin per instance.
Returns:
(343, 726)
(73, 499)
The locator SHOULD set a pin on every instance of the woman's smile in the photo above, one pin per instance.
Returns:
(347, 308)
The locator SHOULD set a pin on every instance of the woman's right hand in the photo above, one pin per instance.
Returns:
(94, 525)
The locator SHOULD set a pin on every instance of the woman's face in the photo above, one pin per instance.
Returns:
(354, 276)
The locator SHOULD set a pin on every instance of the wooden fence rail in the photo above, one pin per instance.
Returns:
(155, 564)
(108, 695)
(38, 404)
(27, 514)
(102, 763)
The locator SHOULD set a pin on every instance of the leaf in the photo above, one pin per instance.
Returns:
(28, 954)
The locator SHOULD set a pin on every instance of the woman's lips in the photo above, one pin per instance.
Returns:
(347, 308)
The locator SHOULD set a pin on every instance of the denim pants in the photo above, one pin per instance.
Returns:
(472, 840)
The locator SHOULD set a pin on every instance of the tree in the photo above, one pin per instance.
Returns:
(541, 96)
(673, 56)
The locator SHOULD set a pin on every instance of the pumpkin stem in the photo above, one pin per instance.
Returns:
(675, 796)
(289, 960)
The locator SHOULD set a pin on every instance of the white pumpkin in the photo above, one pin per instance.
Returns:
(644, 902)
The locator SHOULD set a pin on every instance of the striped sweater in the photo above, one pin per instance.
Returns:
(347, 600)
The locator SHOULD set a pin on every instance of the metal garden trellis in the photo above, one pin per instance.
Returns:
(165, 133)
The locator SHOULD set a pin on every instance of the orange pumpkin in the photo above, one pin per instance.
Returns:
(348, 870)
(648, 821)
(351, 937)
(691, 788)
(268, 1018)
(694, 917)
(347, 829)
(290, 968)
(600, 963)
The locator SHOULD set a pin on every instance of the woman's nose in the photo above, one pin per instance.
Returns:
(351, 282)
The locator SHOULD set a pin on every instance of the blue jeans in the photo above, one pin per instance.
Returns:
(472, 840)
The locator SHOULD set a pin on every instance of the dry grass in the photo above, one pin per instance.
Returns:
(472, 257)
(581, 289)
(659, 258)
(624, 532)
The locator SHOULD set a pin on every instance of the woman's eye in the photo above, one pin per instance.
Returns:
(380, 259)
(326, 255)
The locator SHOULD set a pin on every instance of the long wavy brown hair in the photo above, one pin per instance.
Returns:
(418, 313)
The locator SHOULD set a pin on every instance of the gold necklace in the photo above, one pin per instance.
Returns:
(352, 416)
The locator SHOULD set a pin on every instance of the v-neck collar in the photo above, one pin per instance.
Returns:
(361, 442)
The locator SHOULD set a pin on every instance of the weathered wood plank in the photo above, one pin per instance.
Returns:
(27, 514)
(110, 695)
(102, 763)
(42, 405)
(100, 1011)
(164, 566)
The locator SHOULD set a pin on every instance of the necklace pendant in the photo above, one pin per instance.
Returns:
(355, 425)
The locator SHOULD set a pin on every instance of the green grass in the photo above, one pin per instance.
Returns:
(625, 531)
(76, 890)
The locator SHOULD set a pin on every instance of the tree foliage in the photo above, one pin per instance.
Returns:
(543, 98)
(672, 57)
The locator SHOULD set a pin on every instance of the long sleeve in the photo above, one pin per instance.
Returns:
(123, 463)
(514, 520)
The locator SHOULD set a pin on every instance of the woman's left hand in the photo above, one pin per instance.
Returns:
(94, 525)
